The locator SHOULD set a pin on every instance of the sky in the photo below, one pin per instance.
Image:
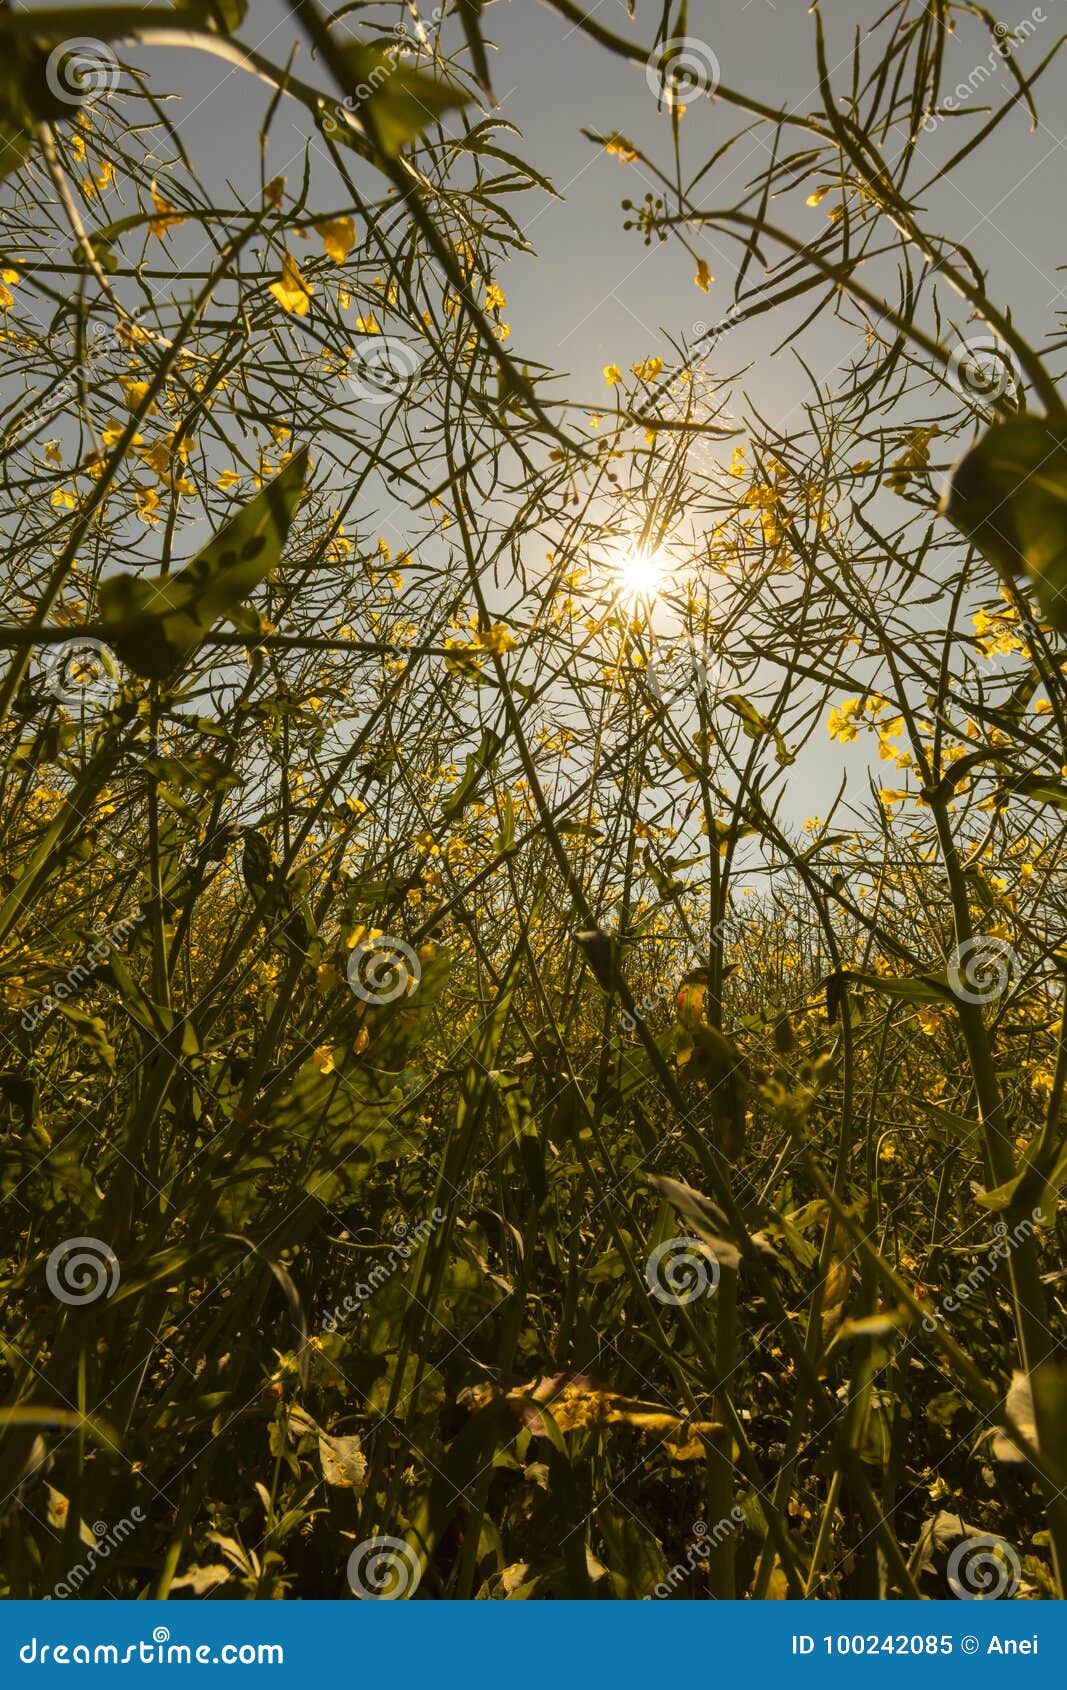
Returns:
(590, 293)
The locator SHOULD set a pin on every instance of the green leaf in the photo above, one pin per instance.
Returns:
(154, 624)
(470, 12)
(1008, 494)
(479, 764)
(15, 145)
(759, 727)
(92, 1032)
(1040, 789)
(919, 988)
(397, 104)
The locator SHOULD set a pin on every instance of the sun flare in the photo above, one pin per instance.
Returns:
(641, 574)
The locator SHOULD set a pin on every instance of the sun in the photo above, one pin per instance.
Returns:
(641, 573)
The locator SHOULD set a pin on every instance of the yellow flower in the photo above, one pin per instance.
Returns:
(167, 215)
(648, 369)
(620, 147)
(8, 278)
(290, 290)
(323, 1059)
(64, 499)
(929, 1019)
(819, 195)
(148, 504)
(495, 299)
(612, 374)
(113, 433)
(228, 478)
(498, 639)
(134, 391)
(338, 237)
(704, 277)
(841, 724)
